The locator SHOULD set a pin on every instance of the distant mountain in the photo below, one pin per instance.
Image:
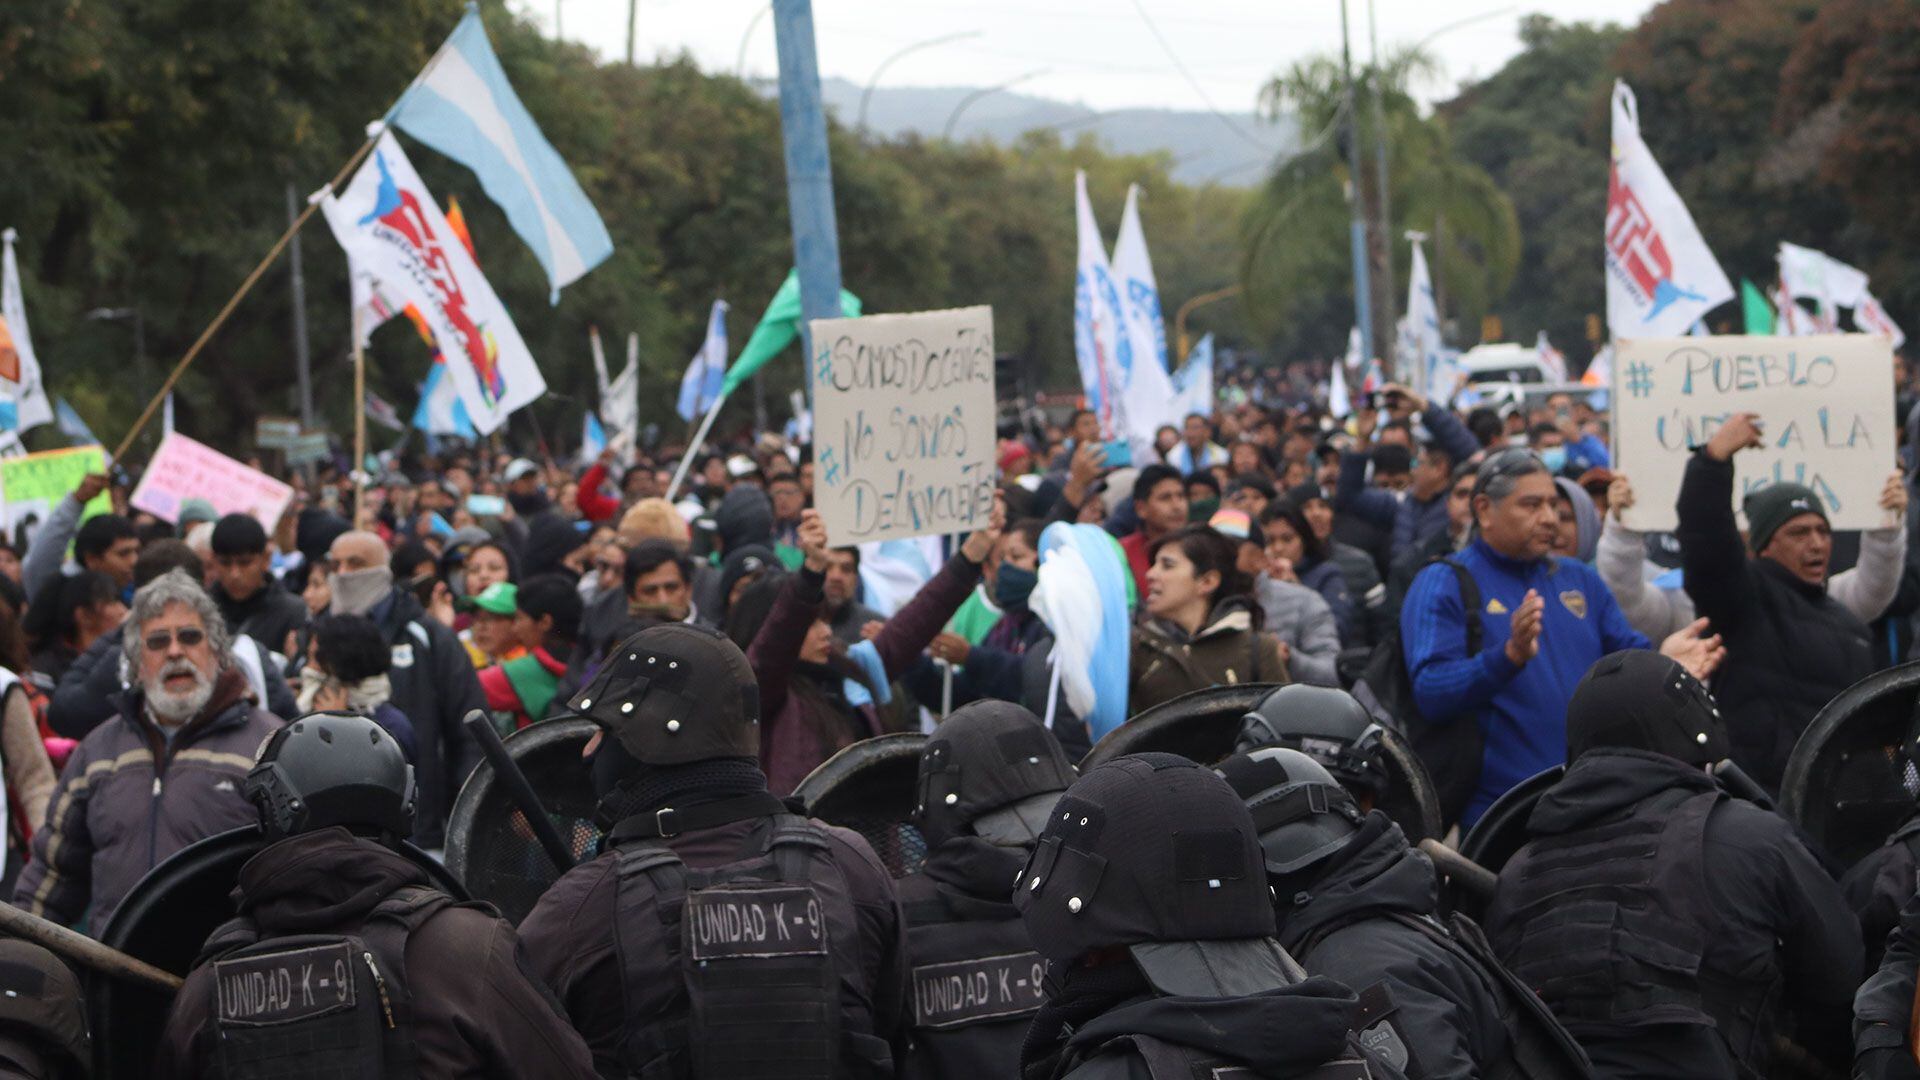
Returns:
(1204, 148)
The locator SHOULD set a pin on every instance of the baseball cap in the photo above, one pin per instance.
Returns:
(518, 468)
(499, 598)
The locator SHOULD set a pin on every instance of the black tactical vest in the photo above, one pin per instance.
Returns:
(1538, 1047)
(1610, 924)
(760, 979)
(317, 1006)
(976, 985)
(1173, 1061)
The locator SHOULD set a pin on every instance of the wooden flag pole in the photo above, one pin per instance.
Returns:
(220, 320)
(359, 420)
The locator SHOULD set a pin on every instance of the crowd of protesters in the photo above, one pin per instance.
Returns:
(1481, 551)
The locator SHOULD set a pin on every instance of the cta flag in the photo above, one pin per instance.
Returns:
(462, 105)
(1101, 345)
(1194, 381)
(1149, 394)
(1661, 277)
(394, 232)
(23, 398)
(779, 325)
(706, 374)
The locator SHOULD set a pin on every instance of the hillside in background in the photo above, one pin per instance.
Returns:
(1204, 148)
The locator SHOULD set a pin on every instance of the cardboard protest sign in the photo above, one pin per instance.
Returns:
(183, 469)
(1825, 405)
(903, 427)
(31, 486)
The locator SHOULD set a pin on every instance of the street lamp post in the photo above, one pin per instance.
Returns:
(867, 95)
(966, 102)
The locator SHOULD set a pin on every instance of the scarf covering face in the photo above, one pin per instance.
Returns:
(362, 697)
(355, 592)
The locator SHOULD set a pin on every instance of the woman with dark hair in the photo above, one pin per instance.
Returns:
(72, 611)
(347, 672)
(817, 694)
(488, 562)
(1198, 625)
(1296, 554)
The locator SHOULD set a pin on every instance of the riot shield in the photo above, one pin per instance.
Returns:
(871, 787)
(1500, 833)
(489, 846)
(1201, 725)
(1843, 782)
(165, 920)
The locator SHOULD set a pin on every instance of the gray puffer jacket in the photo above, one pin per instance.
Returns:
(128, 798)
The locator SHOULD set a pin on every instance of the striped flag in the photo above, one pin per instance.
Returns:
(462, 105)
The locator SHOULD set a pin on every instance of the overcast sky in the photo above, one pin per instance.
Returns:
(1104, 53)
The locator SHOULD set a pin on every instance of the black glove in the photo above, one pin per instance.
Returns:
(1885, 1063)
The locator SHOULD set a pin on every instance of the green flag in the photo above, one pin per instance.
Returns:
(777, 329)
(1753, 304)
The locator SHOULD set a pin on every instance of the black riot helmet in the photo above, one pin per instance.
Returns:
(1149, 851)
(1641, 700)
(1303, 815)
(328, 769)
(676, 693)
(1327, 725)
(992, 769)
(41, 1006)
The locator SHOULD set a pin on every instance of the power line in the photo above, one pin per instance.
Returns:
(1166, 47)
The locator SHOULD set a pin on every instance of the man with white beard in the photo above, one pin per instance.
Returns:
(163, 773)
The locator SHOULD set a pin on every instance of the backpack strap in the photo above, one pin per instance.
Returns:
(1469, 603)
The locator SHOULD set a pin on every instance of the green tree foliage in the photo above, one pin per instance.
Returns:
(152, 144)
(1296, 264)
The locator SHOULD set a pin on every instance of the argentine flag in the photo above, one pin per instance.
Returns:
(441, 411)
(700, 386)
(462, 105)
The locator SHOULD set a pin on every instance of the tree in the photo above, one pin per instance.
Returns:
(1297, 226)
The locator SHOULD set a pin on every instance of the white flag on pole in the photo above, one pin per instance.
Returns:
(393, 230)
(21, 392)
(1101, 345)
(1194, 381)
(1868, 315)
(1661, 276)
(620, 402)
(1339, 403)
(1149, 395)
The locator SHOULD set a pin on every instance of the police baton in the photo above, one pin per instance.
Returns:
(83, 949)
(480, 726)
(1475, 878)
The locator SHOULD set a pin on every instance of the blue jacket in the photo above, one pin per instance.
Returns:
(1521, 710)
(1411, 520)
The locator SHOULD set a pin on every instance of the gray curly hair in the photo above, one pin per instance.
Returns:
(174, 587)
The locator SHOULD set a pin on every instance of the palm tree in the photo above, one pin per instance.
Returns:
(1295, 264)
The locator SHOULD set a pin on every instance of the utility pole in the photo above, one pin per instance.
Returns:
(633, 17)
(1357, 227)
(803, 128)
(302, 359)
(1384, 229)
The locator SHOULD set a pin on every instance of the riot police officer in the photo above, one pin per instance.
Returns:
(989, 777)
(1880, 884)
(342, 954)
(1355, 903)
(1676, 931)
(43, 1018)
(719, 934)
(1147, 893)
(1327, 725)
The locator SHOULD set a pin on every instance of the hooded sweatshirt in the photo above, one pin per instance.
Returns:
(477, 1011)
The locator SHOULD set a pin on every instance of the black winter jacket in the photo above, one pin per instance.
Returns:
(435, 685)
(1790, 647)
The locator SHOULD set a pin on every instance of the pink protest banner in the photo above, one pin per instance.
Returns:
(183, 469)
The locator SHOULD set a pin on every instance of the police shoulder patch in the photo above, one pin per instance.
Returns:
(968, 991)
(743, 921)
(285, 987)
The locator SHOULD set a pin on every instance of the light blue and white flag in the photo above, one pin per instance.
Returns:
(1149, 395)
(71, 425)
(441, 412)
(462, 105)
(700, 386)
(1193, 383)
(593, 438)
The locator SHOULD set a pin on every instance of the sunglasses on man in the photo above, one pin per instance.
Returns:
(162, 640)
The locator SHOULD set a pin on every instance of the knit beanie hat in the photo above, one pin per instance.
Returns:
(1773, 506)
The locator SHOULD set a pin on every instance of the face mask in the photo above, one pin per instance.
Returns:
(1013, 584)
(1555, 457)
(355, 592)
